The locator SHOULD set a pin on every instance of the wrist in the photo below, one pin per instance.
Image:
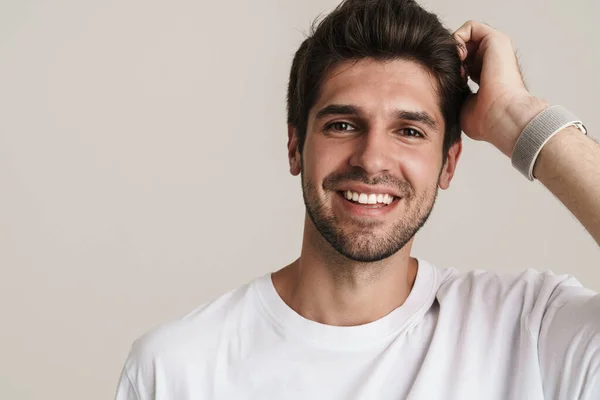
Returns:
(519, 111)
(540, 132)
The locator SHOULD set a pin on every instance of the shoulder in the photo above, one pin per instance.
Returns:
(526, 295)
(529, 284)
(175, 343)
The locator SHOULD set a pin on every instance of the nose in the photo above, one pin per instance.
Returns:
(373, 152)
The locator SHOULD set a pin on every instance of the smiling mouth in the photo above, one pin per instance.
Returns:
(369, 200)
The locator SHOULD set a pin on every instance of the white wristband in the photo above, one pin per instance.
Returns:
(537, 132)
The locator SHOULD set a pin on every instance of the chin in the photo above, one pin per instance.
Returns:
(365, 248)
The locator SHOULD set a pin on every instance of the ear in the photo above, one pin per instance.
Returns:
(450, 166)
(293, 151)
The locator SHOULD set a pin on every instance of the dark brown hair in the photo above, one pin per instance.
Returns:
(381, 30)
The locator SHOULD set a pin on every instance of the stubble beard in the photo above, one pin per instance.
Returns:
(366, 242)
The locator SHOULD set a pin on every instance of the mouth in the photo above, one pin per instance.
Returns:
(374, 206)
(368, 200)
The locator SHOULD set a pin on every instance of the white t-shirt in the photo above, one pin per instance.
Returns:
(459, 335)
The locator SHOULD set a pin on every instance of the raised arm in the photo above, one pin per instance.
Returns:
(568, 164)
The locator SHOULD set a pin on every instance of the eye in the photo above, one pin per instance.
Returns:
(412, 132)
(340, 126)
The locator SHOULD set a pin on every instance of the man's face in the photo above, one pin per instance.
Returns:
(374, 135)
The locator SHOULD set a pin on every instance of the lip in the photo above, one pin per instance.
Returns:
(359, 210)
(360, 188)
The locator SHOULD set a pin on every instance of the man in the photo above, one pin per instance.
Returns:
(377, 99)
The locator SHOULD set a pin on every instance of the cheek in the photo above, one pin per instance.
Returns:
(420, 169)
(321, 159)
(416, 168)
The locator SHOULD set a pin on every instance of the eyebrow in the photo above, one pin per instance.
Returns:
(347, 109)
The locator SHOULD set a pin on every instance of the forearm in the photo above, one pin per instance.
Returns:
(569, 166)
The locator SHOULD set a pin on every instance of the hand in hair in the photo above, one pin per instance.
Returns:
(502, 106)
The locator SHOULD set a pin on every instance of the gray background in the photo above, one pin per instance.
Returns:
(143, 169)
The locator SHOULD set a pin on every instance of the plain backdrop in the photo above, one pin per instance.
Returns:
(143, 169)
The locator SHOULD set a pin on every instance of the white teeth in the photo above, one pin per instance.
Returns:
(372, 198)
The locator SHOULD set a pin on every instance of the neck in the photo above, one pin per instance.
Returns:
(324, 286)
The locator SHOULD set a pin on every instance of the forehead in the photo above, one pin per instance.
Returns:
(380, 86)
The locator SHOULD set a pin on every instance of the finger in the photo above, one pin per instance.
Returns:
(481, 38)
(468, 37)
(474, 61)
(467, 125)
(462, 47)
(468, 52)
(464, 72)
(473, 31)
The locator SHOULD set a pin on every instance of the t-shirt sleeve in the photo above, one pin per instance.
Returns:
(137, 377)
(569, 343)
(126, 389)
